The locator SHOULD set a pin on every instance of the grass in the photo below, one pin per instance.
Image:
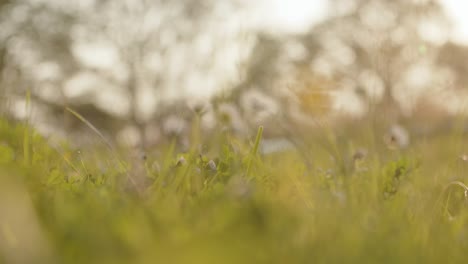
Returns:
(231, 204)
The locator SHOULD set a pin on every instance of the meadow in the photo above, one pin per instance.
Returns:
(341, 195)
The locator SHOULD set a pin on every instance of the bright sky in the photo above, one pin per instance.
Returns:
(291, 16)
(457, 9)
(297, 15)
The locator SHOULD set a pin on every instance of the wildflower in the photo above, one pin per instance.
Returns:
(464, 158)
(182, 161)
(211, 165)
(174, 126)
(199, 107)
(397, 137)
(231, 119)
(358, 159)
(360, 154)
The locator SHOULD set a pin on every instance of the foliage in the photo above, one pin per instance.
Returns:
(91, 55)
(228, 203)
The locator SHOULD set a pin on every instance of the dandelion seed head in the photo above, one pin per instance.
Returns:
(212, 165)
(397, 137)
(464, 158)
(181, 161)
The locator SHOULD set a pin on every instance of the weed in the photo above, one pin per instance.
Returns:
(229, 203)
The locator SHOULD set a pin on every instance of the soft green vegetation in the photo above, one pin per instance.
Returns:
(227, 203)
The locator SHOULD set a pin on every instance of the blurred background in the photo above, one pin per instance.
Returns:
(140, 70)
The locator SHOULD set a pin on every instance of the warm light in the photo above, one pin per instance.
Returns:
(292, 16)
(456, 9)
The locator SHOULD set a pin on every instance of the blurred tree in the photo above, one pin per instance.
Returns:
(455, 56)
(278, 85)
(380, 54)
(122, 58)
(384, 51)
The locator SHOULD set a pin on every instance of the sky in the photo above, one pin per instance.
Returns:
(457, 9)
(296, 16)
(292, 16)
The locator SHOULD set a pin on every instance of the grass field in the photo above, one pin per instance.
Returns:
(341, 196)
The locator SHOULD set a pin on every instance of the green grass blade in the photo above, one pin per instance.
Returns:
(93, 128)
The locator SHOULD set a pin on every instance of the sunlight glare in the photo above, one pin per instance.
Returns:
(456, 9)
